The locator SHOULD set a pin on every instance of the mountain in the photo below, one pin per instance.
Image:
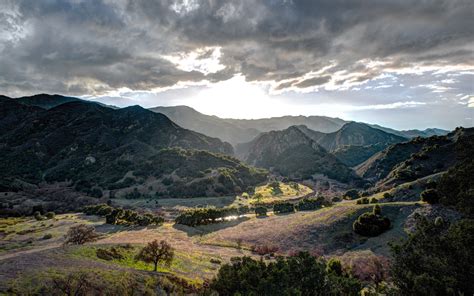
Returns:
(292, 153)
(413, 133)
(417, 158)
(95, 146)
(46, 101)
(237, 131)
(352, 134)
(213, 126)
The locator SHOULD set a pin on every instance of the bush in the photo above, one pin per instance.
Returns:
(371, 224)
(308, 204)
(38, 216)
(283, 208)
(50, 215)
(430, 196)
(387, 195)
(351, 194)
(260, 211)
(264, 249)
(47, 236)
(363, 200)
(374, 200)
(109, 254)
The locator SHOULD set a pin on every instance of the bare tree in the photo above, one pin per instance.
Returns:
(81, 234)
(156, 252)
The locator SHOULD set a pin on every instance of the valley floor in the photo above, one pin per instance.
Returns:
(199, 250)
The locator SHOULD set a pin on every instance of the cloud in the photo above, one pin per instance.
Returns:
(94, 46)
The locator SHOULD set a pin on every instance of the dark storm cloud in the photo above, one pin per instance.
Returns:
(91, 46)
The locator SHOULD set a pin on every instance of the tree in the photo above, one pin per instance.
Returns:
(260, 211)
(430, 196)
(436, 259)
(351, 194)
(156, 252)
(371, 223)
(302, 274)
(81, 234)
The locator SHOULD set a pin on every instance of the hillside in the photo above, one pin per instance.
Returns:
(99, 148)
(415, 159)
(47, 101)
(351, 134)
(413, 133)
(237, 131)
(291, 153)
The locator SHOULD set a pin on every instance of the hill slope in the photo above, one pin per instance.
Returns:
(415, 159)
(291, 153)
(98, 146)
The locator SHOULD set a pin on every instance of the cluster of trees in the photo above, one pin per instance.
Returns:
(302, 274)
(371, 223)
(436, 259)
(365, 200)
(284, 207)
(309, 204)
(120, 216)
(202, 216)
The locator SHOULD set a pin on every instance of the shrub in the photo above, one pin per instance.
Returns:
(363, 200)
(38, 216)
(264, 249)
(374, 200)
(260, 211)
(387, 195)
(308, 204)
(109, 254)
(334, 266)
(50, 215)
(371, 224)
(283, 208)
(47, 236)
(430, 196)
(351, 194)
(81, 234)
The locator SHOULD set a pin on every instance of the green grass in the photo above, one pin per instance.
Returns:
(192, 267)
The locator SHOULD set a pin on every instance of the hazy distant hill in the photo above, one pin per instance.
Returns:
(292, 153)
(237, 131)
(417, 158)
(352, 133)
(413, 132)
(108, 148)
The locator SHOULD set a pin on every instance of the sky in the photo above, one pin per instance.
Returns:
(402, 64)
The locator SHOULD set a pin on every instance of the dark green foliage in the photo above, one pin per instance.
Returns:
(371, 224)
(285, 207)
(374, 200)
(334, 266)
(362, 201)
(436, 260)
(260, 211)
(119, 216)
(50, 215)
(296, 275)
(430, 196)
(202, 216)
(309, 204)
(456, 187)
(96, 147)
(47, 236)
(351, 194)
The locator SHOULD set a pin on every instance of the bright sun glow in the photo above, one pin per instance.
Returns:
(236, 98)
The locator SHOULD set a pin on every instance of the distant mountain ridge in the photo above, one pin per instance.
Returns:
(237, 131)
